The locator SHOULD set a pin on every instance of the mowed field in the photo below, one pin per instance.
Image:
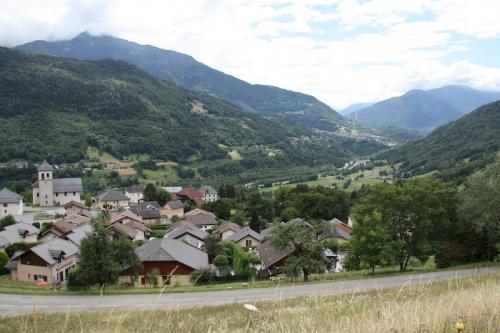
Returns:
(426, 307)
(358, 179)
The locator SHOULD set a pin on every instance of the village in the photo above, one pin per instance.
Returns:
(169, 238)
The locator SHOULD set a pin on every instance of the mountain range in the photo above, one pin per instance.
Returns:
(453, 150)
(185, 71)
(54, 107)
(425, 110)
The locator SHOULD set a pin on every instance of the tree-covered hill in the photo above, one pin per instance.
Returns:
(53, 107)
(456, 149)
(425, 110)
(186, 71)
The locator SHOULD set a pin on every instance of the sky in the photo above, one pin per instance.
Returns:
(340, 51)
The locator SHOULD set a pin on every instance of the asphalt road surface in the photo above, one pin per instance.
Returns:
(18, 304)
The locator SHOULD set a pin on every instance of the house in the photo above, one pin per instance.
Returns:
(128, 224)
(79, 233)
(10, 203)
(173, 208)
(48, 191)
(209, 193)
(335, 260)
(226, 229)
(148, 210)
(272, 258)
(134, 193)
(18, 233)
(338, 230)
(48, 262)
(172, 189)
(246, 237)
(189, 195)
(201, 219)
(111, 200)
(74, 208)
(63, 227)
(174, 259)
(189, 235)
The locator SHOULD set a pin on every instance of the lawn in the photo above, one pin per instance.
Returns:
(427, 307)
(19, 287)
(359, 178)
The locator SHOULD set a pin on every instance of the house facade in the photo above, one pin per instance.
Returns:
(209, 193)
(48, 191)
(10, 203)
(246, 237)
(174, 259)
(111, 200)
(173, 208)
(134, 193)
(48, 262)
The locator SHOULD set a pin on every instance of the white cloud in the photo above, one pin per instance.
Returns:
(379, 48)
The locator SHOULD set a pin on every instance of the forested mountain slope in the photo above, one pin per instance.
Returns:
(425, 110)
(455, 149)
(186, 71)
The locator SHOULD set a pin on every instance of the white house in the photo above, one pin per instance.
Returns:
(209, 193)
(134, 193)
(10, 203)
(48, 191)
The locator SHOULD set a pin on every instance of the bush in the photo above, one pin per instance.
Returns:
(3, 259)
(6, 221)
(415, 262)
(153, 277)
(202, 275)
(221, 261)
(74, 281)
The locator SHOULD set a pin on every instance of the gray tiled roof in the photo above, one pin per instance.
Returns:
(79, 233)
(45, 166)
(175, 204)
(44, 250)
(207, 189)
(67, 185)
(135, 189)
(112, 195)
(166, 249)
(7, 196)
(182, 230)
(20, 227)
(244, 232)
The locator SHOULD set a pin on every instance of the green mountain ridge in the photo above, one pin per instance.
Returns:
(425, 110)
(456, 149)
(184, 70)
(54, 107)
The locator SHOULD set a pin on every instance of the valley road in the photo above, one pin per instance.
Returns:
(18, 304)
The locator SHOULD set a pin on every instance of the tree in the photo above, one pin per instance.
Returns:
(149, 192)
(97, 264)
(212, 246)
(289, 213)
(221, 261)
(415, 214)
(153, 277)
(371, 244)
(124, 254)
(4, 258)
(88, 200)
(480, 209)
(221, 208)
(163, 196)
(307, 255)
(260, 211)
(227, 191)
(6, 221)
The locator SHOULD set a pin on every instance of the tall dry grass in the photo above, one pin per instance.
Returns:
(416, 308)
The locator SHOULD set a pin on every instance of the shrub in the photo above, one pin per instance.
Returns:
(221, 261)
(153, 277)
(415, 262)
(202, 275)
(74, 280)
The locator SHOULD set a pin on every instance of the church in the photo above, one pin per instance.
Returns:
(48, 191)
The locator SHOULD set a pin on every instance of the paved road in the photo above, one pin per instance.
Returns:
(17, 304)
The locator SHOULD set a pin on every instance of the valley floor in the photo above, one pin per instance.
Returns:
(416, 307)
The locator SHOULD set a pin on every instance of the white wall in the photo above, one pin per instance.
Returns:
(63, 198)
(14, 209)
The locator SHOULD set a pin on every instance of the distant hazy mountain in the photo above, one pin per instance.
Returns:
(186, 71)
(354, 107)
(456, 149)
(425, 110)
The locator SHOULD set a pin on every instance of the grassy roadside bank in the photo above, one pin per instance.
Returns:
(427, 307)
(29, 288)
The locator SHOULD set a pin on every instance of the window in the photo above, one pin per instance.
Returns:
(43, 176)
(65, 194)
(248, 243)
(48, 175)
(5, 205)
(57, 194)
(74, 193)
(38, 195)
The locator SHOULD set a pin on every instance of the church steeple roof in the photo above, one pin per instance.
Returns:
(45, 166)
